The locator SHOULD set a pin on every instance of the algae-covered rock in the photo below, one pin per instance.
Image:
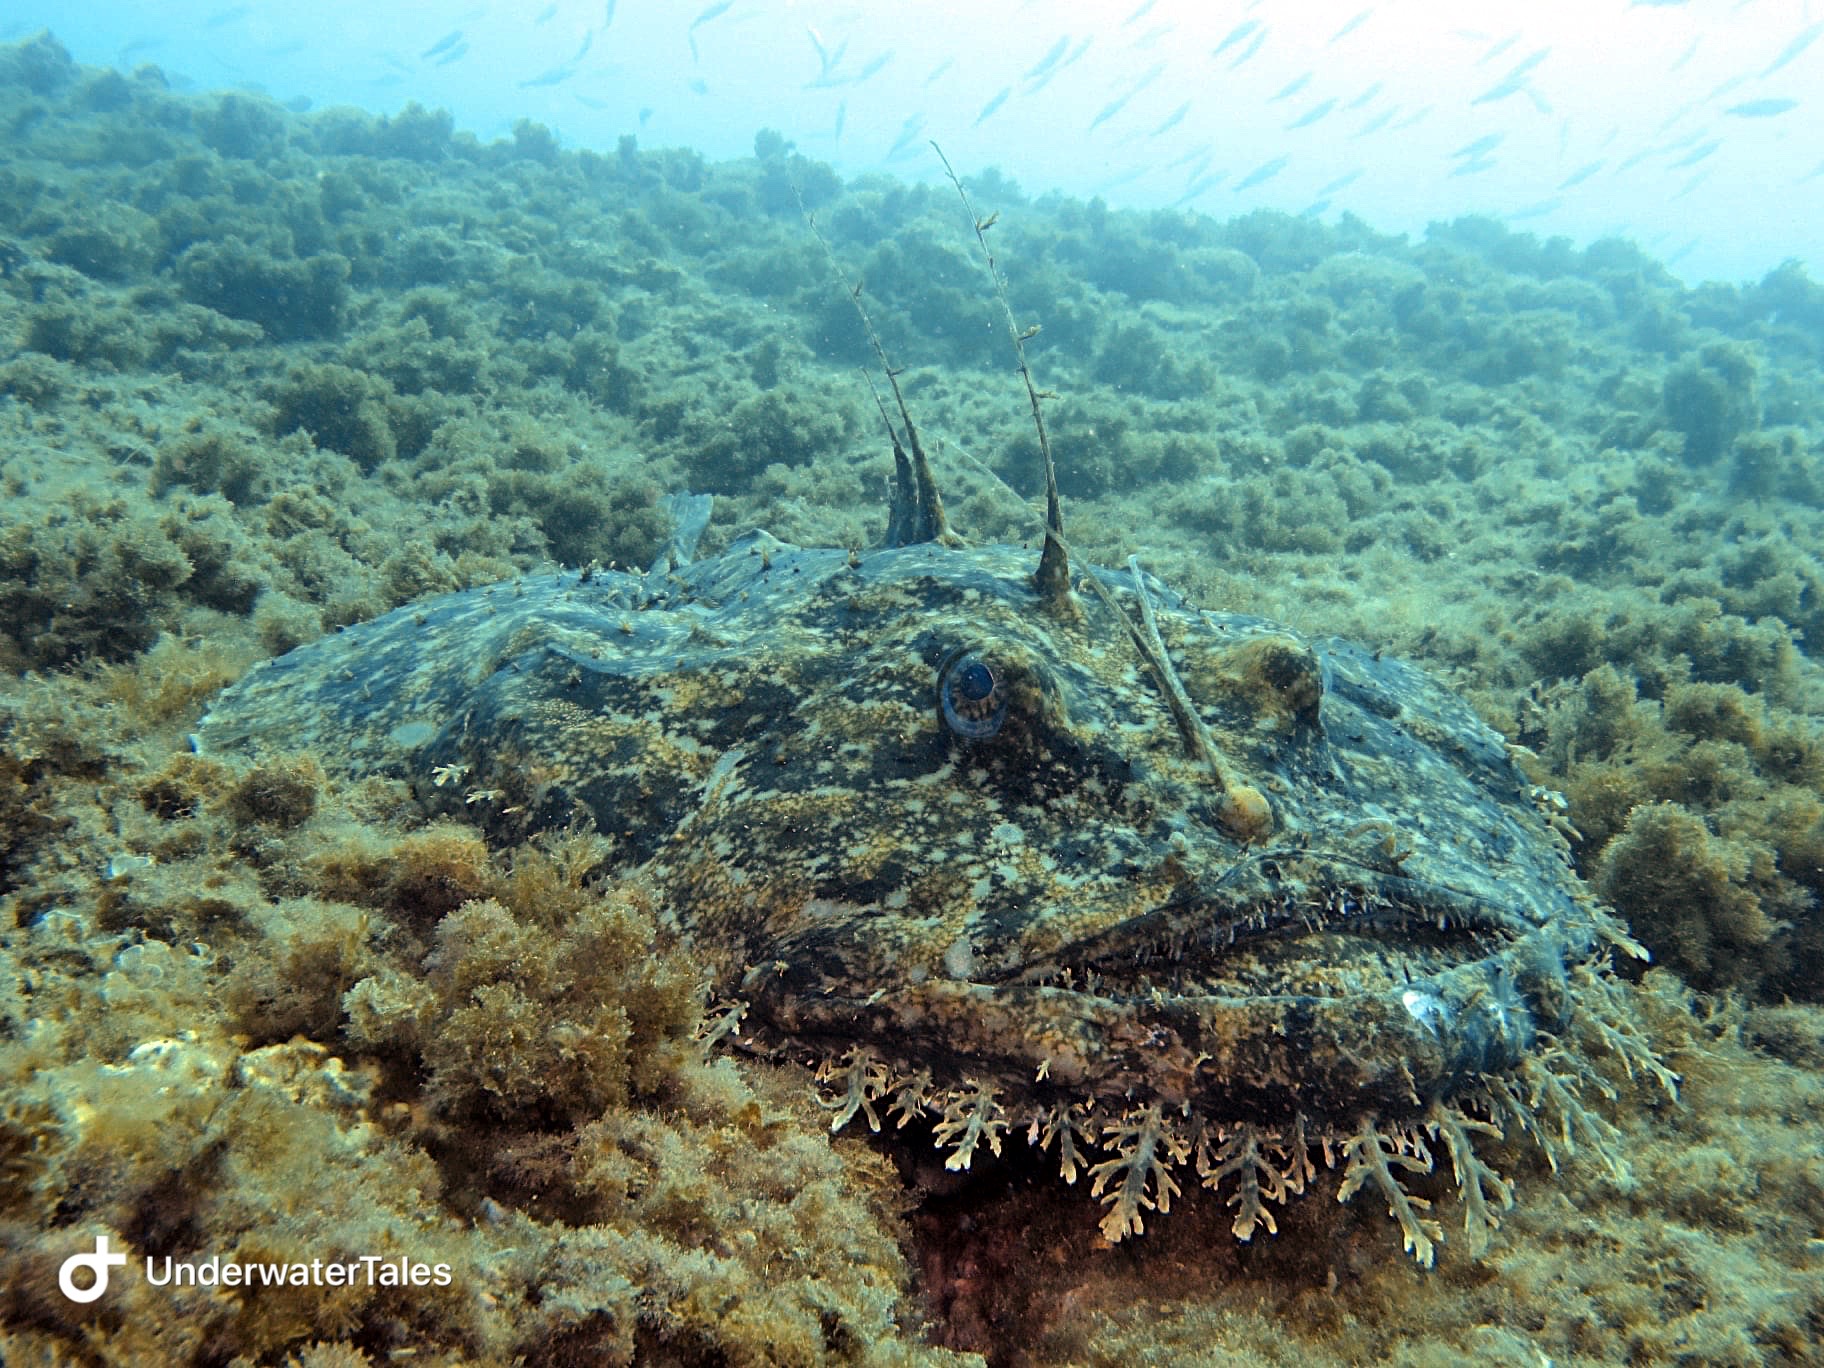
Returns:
(342, 409)
(1690, 893)
(1711, 399)
(290, 298)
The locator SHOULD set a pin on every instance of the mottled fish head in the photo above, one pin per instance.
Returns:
(904, 810)
(918, 814)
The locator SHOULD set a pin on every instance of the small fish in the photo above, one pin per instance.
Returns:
(443, 44)
(546, 14)
(1199, 187)
(1473, 167)
(1314, 209)
(1115, 182)
(1694, 157)
(1488, 142)
(823, 54)
(940, 69)
(1138, 14)
(1728, 87)
(608, 15)
(1498, 48)
(1116, 105)
(1049, 60)
(222, 18)
(1514, 81)
(1417, 116)
(1236, 34)
(1049, 66)
(1248, 51)
(1340, 183)
(1261, 174)
(1172, 120)
(1377, 123)
(1580, 175)
(556, 75)
(832, 60)
(992, 105)
(1204, 150)
(1529, 63)
(873, 66)
(1685, 56)
(908, 134)
(1363, 98)
(1500, 91)
(1761, 109)
(1312, 115)
(1109, 110)
(1805, 39)
(1349, 28)
(455, 54)
(1291, 88)
(1538, 209)
(714, 11)
(1676, 115)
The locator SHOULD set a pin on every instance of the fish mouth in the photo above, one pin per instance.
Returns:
(1376, 993)
(1287, 936)
(1275, 995)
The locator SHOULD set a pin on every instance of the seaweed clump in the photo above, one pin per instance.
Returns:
(1696, 815)
(247, 1014)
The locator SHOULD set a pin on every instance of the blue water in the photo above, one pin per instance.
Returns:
(1689, 128)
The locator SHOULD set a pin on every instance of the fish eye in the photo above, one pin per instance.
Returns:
(971, 695)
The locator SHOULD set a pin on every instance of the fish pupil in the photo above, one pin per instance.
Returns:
(975, 681)
(971, 697)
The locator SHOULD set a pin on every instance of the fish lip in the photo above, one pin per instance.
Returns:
(1183, 935)
(1382, 1047)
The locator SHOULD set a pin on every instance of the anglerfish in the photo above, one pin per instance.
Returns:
(1021, 849)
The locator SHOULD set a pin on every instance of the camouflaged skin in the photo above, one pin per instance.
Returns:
(1052, 911)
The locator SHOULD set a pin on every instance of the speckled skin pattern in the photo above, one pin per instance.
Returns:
(1051, 912)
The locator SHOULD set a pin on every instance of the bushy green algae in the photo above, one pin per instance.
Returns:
(277, 1033)
(1581, 491)
(1700, 819)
